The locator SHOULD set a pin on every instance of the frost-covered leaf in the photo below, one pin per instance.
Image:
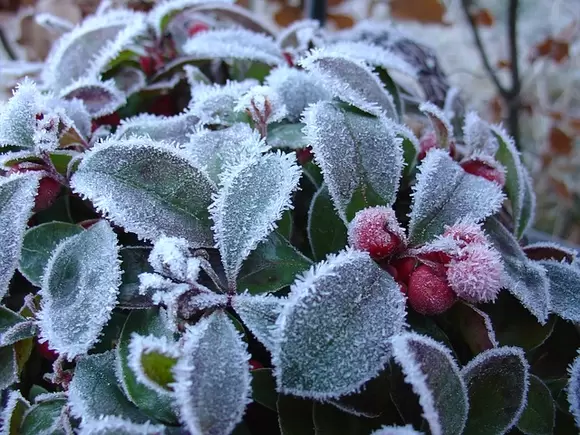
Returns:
(525, 279)
(234, 43)
(352, 81)
(130, 80)
(38, 244)
(214, 104)
(14, 327)
(12, 413)
(573, 390)
(474, 325)
(259, 313)
(299, 35)
(18, 116)
(149, 189)
(94, 390)
(53, 23)
(272, 266)
(17, 193)
(282, 135)
(358, 154)
(134, 261)
(297, 89)
(8, 367)
(111, 425)
(434, 375)
(396, 430)
(171, 257)
(163, 12)
(478, 136)
(151, 322)
(152, 359)
(564, 290)
(82, 276)
(158, 128)
(215, 150)
(87, 49)
(332, 335)
(100, 98)
(251, 199)
(441, 125)
(327, 233)
(518, 184)
(497, 382)
(262, 104)
(540, 412)
(76, 110)
(212, 380)
(46, 417)
(445, 193)
(550, 251)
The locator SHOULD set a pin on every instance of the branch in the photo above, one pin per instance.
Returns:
(513, 42)
(6, 45)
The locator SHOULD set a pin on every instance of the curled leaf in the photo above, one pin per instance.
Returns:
(99, 98)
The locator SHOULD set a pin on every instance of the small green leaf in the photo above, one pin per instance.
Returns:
(45, 417)
(14, 327)
(37, 247)
(8, 367)
(273, 265)
(326, 230)
(392, 88)
(158, 367)
(264, 388)
(295, 416)
(287, 136)
(538, 417)
(152, 360)
(134, 261)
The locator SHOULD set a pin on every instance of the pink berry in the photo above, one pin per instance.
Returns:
(377, 231)
(466, 233)
(427, 142)
(475, 274)
(485, 168)
(429, 292)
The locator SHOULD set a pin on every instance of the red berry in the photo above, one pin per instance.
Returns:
(486, 169)
(439, 257)
(429, 292)
(404, 267)
(404, 288)
(427, 142)
(254, 365)
(46, 352)
(196, 28)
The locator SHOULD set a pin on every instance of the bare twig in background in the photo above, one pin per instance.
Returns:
(510, 96)
(6, 45)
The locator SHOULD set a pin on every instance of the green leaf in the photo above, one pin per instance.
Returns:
(326, 230)
(148, 189)
(60, 160)
(287, 136)
(392, 88)
(295, 416)
(272, 266)
(134, 261)
(259, 314)
(17, 193)
(8, 367)
(475, 326)
(37, 247)
(94, 390)
(13, 413)
(538, 417)
(14, 327)
(497, 382)
(329, 420)
(564, 284)
(151, 402)
(45, 417)
(264, 388)
(81, 277)
(518, 185)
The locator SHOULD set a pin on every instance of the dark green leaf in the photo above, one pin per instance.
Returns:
(287, 136)
(329, 420)
(8, 367)
(538, 417)
(564, 289)
(264, 388)
(14, 327)
(45, 417)
(326, 231)
(134, 261)
(295, 416)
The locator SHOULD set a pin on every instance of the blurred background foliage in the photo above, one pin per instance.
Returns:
(515, 61)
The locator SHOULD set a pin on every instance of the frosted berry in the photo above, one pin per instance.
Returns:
(429, 292)
(485, 168)
(404, 267)
(439, 257)
(427, 142)
(475, 274)
(466, 233)
(377, 231)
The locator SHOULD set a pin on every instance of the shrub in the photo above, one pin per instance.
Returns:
(246, 238)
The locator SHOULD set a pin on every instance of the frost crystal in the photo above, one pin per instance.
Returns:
(354, 152)
(299, 35)
(444, 193)
(251, 199)
(477, 135)
(17, 193)
(171, 257)
(397, 430)
(234, 43)
(333, 333)
(159, 128)
(76, 110)
(82, 276)
(465, 232)
(263, 104)
(16, 405)
(147, 188)
(297, 89)
(351, 81)
(573, 390)
(564, 284)
(212, 380)
(100, 98)
(434, 375)
(18, 116)
(109, 425)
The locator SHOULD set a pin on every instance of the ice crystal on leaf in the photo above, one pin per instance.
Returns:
(82, 276)
(445, 193)
(434, 375)
(477, 135)
(298, 36)
(18, 116)
(564, 289)
(351, 81)
(171, 257)
(355, 152)
(497, 383)
(212, 380)
(442, 126)
(573, 390)
(151, 284)
(252, 197)
(100, 98)
(263, 104)
(333, 333)
(16, 405)
(297, 89)
(17, 193)
(234, 44)
(396, 430)
(9, 368)
(148, 188)
(109, 425)
(89, 47)
(158, 128)
(215, 150)
(214, 104)
(76, 110)
(259, 313)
